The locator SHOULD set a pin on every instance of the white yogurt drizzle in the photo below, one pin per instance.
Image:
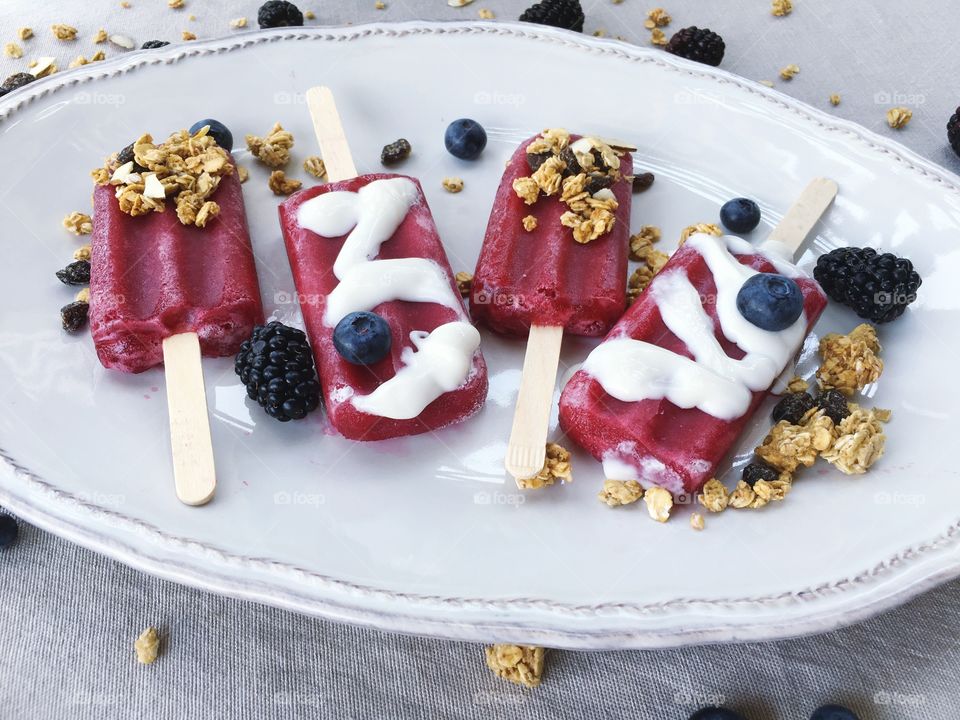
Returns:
(443, 358)
(633, 370)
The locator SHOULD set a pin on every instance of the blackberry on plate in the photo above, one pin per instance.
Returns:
(153, 44)
(17, 80)
(279, 13)
(758, 470)
(878, 287)
(276, 365)
(953, 131)
(698, 44)
(834, 404)
(564, 14)
(792, 407)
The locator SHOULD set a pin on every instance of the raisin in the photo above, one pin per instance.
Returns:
(535, 160)
(834, 404)
(395, 152)
(76, 273)
(597, 182)
(792, 407)
(570, 160)
(642, 182)
(74, 315)
(757, 470)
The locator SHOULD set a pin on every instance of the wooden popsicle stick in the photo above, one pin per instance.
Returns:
(330, 135)
(194, 473)
(804, 214)
(526, 451)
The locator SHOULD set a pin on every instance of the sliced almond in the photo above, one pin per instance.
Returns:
(153, 188)
(123, 41)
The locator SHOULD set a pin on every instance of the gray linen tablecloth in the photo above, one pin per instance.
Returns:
(68, 617)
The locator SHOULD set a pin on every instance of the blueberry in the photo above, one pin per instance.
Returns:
(154, 44)
(8, 530)
(715, 713)
(218, 131)
(362, 338)
(833, 712)
(740, 215)
(465, 139)
(769, 301)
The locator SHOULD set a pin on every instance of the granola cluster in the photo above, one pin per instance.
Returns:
(273, 150)
(860, 442)
(147, 646)
(708, 228)
(520, 664)
(555, 467)
(280, 184)
(581, 173)
(464, 283)
(78, 223)
(850, 362)
(620, 492)
(659, 502)
(651, 260)
(852, 440)
(185, 169)
(788, 446)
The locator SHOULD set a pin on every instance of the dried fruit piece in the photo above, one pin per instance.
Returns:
(73, 316)
(395, 152)
(76, 273)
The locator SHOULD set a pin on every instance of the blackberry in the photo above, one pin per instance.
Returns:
(834, 404)
(74, 316)
(17, 80)
(76, 273)
(953, 131)
(877, 287)
(395, 152)
(563, 14)
(276, 365)
(792, 407)
(642, 182)
(698, 44)
(279, 13)
(758, 470)
(153, 44)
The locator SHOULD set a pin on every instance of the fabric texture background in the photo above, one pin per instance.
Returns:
(68, 617)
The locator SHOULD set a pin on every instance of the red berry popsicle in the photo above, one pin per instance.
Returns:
(665, 396)
(368, 244)
(173, 276)
(554, 260)
(560, 260)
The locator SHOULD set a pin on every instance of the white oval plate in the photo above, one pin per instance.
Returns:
(426, 534)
